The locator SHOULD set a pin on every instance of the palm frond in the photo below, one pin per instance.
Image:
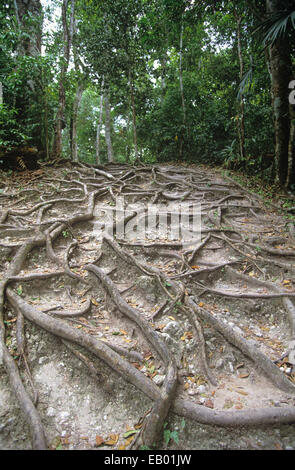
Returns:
(276, 26)
(246, 81)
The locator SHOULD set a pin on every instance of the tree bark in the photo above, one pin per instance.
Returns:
(30, 45)
(77, 102)
(108, 128)
(99, 124)
(133, 116)
(67, 38)
(291, 174)
(181, 136)
(242, 106)
(280, 63)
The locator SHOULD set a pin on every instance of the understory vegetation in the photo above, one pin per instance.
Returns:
(156, 81)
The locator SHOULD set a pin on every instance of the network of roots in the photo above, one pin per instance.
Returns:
(175, 318)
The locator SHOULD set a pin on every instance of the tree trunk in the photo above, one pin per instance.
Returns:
(180, 75)
(30, 44)
(108, 128)
(67, 38)
(133, 116)
(291, 174)
(78, 97)
(181, 134)
(163, 77)
(242, 106)
(29, 17)
(99, 124)
(280, 62)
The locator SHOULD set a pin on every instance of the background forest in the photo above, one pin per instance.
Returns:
(203, 82)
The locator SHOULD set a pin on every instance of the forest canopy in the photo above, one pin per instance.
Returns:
(205, 82)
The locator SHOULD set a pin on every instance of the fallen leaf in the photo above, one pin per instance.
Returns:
(239, 406)
(129, 440)
(99, 440)
(240, 365)
(241, 392)
(130, 433)
(209, 404)
(113, 439)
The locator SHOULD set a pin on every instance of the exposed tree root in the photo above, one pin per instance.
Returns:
(39, 225)
(268, 367)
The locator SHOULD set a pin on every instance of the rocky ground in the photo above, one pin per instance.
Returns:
(115, 338)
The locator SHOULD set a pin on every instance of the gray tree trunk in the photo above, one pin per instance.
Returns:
(30, 45)
(67, 38)
(242, 106)
(78, 98)
(108, 128)
(99, 124)
(133, 117)
(181, 136)
(280, 65)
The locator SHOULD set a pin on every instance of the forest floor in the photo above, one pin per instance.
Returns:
(144, 339)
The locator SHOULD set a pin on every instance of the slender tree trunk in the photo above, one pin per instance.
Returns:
(67, 37)
(163, 76)
(46, 125)
(99, 124)
(242, 106)
(78, 98)
(1, 93)
(268, 63)
(291, 174)
(133, 116)
(280, 62)
(181, 75)
(108, 128)
(181, 136)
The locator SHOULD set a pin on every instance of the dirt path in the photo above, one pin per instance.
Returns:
(117, 332)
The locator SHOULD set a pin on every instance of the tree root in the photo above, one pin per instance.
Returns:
(262, 361)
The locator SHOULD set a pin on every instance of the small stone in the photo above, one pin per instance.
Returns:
(51, 411)
(64, 415)
(159, 379)
(201, 389)
(219, 363)
(42, 359)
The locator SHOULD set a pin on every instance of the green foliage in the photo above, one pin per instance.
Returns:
(11, 131)
(134, 46)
